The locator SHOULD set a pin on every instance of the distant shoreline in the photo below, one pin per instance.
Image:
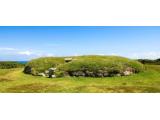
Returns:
(22, 62)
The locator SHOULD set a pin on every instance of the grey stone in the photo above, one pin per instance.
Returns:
(53, 76)
(105, 74)
(68, 59)
(51, 72)
(89, 73)
(53, 69)
(41, 74)
(99, 74)
(118, 75)
(127, 73)
(46, 71)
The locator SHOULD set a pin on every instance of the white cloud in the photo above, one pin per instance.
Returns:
(34, 54)
(101, 54)
(146, 55)
(114, 54)
(76, 54)
(48, 55)
(7, 49)
(28, 53)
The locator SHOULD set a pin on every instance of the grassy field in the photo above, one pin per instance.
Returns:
(15, 81)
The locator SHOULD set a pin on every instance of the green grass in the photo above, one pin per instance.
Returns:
(5, 71)
(15, 81)
(44, 63)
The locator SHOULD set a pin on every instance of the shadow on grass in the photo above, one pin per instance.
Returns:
(5, 80)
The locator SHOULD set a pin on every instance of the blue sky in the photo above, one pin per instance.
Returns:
(25, 43)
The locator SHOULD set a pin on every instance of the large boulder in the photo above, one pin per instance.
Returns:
(51, 72)
(68, 59)
(128, 71)
(28, 70)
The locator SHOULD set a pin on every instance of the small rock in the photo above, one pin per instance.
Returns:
(46, 71)
(53, 69)
(77, 73)
(118, 75)
(53, 76)
(89, 74)
(127, 73)
(105, 74)
(42, 74)
(99, 74)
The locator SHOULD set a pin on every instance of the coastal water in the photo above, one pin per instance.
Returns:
(22, 62)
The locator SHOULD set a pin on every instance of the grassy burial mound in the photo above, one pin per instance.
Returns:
(85, 66)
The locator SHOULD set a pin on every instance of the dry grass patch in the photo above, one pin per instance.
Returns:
(30, 88)
(5, 80)
(117, 89)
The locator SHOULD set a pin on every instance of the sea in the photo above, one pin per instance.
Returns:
(22, 62)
